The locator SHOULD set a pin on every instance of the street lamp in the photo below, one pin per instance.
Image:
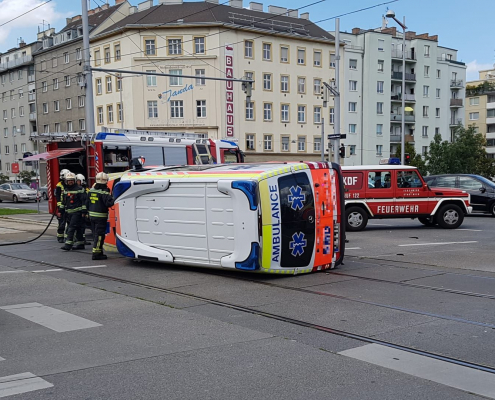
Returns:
(391, 14)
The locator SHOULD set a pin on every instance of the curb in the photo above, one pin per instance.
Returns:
(25, 220)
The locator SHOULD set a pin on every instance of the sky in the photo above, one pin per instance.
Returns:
(461, 25)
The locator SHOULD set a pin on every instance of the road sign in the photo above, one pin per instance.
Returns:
(15, 168)
(333, 136)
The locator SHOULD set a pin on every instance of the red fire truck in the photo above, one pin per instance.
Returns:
(112, 152)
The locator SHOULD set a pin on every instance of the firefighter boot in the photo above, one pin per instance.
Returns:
(60, 239)
(79, 247)
(99, 256)
(66, 247)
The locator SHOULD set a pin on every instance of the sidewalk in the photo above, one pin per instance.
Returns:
(41, 219)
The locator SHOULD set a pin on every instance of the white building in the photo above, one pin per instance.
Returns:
(286, 55)
(372, 92)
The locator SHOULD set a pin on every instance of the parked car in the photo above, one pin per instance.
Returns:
(18, 192)
(482, 190)
(44, 192)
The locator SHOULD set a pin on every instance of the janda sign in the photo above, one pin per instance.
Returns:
(168, 94)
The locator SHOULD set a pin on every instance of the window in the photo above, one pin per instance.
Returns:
(54, 62)
(120, 112)
(199, 45)
(55, 84)
(44, 86)
(23, 147)
(317, 115)
(424, 131)
(439, 74)
(332, 115)
(317, 58)
(474, 116)
(11, 95)
(46, 128)
(250, 75)
(379, 149)
(80, 79)
(12, 112)
(380, 65)
(201, 108)
(7, 150)
(352, 86)
(427, 71)
(67, 80)
(4, 114)
(267, 142)
(97, 57)
(98, 86)
(424, 151)
(301, 84)
(5, 132)
(15, 148)
(474, 101)
(301, 56)
(66, 58)
(69, 126)
(284, 54)
(332, 60)
(14, 131)
(284, 113)
(82, 124)
(110, 114)
(379, 108)
(426, 91)
(301, 114)
(151, 79)
(68, 104)
(199, 74)
(2, 79)
(468, 183)
(317, 86)
(381, 44)
(490, 113)
(352, 64)
(107, 54)
(426, 109)
(437, 112)
(3, 97)
(249, 142)
(267, 51)
(352, 128)
(250, 110)
(117, 52)
(427, 51)
(284, 83)
(301, 143)
(437, 131)
(379, 129)
(20, 93)
(176, 80)
(118, 82)
(109, 84)
(490, 98)
(56, 105)
(152, 109)
(45, 108)
(352, 106)
(267, 81)
(317, 144)
(438, 93)
(150, 47)
(379, 86)
(248, 48)
(267, 111)
(78, 54)
(285, 143)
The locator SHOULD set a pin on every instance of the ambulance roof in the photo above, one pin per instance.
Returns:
(378, 167)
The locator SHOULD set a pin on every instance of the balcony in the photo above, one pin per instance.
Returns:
(31, 78)
(450, 61)
(16, 62)
(410, 56)
(32, 116)
(455, 121)
(31, 97)
(397, 118)
(407, 97)
(397, 76)
(456, 84)
(398, 139)
(456, 102)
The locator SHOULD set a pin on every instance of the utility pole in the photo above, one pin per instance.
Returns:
(336, 125)
(89, 109)
(322, 139)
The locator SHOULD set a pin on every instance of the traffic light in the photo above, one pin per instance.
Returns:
(342, 151)
(407, 158)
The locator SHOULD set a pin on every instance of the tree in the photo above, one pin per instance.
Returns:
(3, 178)
(416, 159)
(438, 156)
(26, 176)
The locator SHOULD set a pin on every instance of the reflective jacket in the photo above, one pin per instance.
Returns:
(74, 199)
(99, 200)
(59, 190)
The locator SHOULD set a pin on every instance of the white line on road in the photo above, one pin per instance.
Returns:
(353, 248)
(381, 224)
(443, 372)
(12, 272)
(57, 320)
(436, 244)
(91, 266)
(21, 383)
(472, 230)
(2, 359)
(48, 270)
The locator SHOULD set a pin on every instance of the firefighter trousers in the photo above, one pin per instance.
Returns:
(99, 228)
(74, 221)
(61, 226)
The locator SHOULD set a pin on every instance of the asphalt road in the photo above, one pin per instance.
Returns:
(81, 329)
(26, 205)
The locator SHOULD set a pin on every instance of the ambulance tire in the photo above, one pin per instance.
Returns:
(356, 219)
(450, 216)
(426, 221)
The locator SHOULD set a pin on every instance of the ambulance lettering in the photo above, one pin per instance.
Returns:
(397, 209)
(276, 229)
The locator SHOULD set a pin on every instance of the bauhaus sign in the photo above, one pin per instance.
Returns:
(229, 94)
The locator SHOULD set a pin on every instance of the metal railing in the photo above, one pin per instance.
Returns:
(32, 116)
(398, 76)
(456, 84)
(409, 55)
(407, 97)
(15, 62)
(398, 118)
(456, 102)
(455, 121)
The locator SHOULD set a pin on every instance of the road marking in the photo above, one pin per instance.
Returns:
(436, 244)
(353, 248)
(472, 230)
(57, 320)
(2, 359)
(380, 224)
(21, 383)
(48, 270)
(17, 271)
(91, 266)
(443, 372)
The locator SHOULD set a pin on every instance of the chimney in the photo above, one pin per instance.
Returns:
(304, 16)
(68, 21)
(277, 10)
(212, 1)
(91, 12)
(293, 13)
(168, 2)
(392, 31)
(22, 43)
(256, 6)
(235, 3)
(132, 10)
(119, 1)
(422, 36)
(76, 18)
(105, 6)
(145, 5)
(434, 38)
(356, 31)
(410, 35)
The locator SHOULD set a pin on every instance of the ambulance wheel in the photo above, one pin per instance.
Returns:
(356, 219)
(426, 221)
(450, 216)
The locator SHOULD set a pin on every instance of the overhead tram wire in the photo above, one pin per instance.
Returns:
(27, 12)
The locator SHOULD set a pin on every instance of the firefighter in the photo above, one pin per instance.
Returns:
(74, 203)
(98, 202)
(81, 181)
(59, 189)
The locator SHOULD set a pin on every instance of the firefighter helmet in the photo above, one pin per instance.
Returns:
(63, 173)
(101, 177)
(70, 177)
(80, 177)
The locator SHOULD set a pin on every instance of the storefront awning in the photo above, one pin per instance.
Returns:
(50, 155)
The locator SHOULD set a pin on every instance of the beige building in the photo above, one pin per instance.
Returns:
(286, 55)
(480, 107)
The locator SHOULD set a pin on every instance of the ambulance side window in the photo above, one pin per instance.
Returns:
(379, 180)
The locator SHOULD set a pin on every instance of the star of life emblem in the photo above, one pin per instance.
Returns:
(298, 244)
(296, 198)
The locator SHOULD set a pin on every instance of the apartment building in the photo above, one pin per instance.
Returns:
(286, 55)
(18, 103)
(60, 84)
(480, 107)
(372, 92)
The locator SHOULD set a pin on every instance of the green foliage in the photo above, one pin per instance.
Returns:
(3, 178)
(465, 155)
(25, 176)
(482, 88)
(416, 159)
(9, 211)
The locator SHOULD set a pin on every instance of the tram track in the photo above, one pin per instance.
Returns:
(278, 317)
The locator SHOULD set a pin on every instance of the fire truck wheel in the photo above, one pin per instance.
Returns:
(356, 218)
(426, 221)
(450, 216)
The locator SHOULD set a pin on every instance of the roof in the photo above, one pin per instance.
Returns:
(385, 167)
(205, 12)
(50, 155)
(94, 19)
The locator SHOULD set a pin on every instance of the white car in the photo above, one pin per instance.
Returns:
(18, 192)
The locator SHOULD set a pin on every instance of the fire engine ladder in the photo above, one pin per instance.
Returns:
(203, 155)
(87, 141)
